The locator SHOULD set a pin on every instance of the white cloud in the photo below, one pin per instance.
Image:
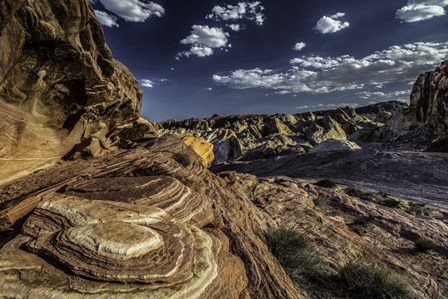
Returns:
(252, 11)
(327, 106)
(315, 74)
(299, 46)
(152, 83)
(399, 95)
(106, 19)
(203, 40)
(420, 10)
(331, 24)
(148, 83)
(132, 10)
(234, 27)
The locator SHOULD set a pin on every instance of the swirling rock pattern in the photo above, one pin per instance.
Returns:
(143, 207)
(59, 83)
(114, 242)
(164, 192)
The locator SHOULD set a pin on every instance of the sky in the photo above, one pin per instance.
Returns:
(198, 58)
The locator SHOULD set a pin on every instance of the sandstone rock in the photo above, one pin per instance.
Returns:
(334, 145)
(429, 99)
(58, 83)
(388, 240)
(201, 147)
(427, 116)
(162, 230)
(252, 137)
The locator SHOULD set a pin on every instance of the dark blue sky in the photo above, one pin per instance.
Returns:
(149, 48)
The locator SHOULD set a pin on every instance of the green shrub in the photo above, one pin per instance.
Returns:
(418, 209)
(373, 283)
(390, 202)
(379, 198)
(423, 245)
(327, 184)
(182, 158)
(295, 254)
(360, 224)
(321, 202)
(360, 194)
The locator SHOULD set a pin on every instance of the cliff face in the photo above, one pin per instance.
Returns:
(58, 82)
(429, 99)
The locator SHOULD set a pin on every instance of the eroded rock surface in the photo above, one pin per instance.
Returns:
(388, 239)
(426, 119)
(59, 83)
(254, 137)
(136, 223)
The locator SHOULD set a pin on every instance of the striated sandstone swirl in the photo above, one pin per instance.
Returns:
(59, 83)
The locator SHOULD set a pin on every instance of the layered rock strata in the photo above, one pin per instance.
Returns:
(59, 83)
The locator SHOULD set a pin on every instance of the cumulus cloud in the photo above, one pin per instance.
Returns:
(234, 27)
(203, 40)
(299, 46)
(106, 19)
(316, 75)
(129, 10)
(420, 10)
(331, 24)
(252, 11)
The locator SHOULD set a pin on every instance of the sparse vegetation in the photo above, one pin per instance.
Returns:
(424, 245)
(373, 282)
(378, 198)
(295, 253)
(390, 202)
(182, 158)
(361, 224)
(327, 184)
(418, 209)
(321, 202)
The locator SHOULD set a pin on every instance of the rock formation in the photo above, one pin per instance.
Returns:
(59, 83)
(135, 223)
(429, 99)
(253, 137)
(426, 119)
(148, 219)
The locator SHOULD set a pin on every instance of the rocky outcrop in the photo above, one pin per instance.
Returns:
(334, 145)
(135, 223)
(328, 218)
(415, 176)
(59, 83)
(429, 99)
(202, 148)
(426, 119)
(254, 137)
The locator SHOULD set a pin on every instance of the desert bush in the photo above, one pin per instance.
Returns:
(321, 202)
(295, 253)
(418, 209)
(390, 202)
(379, 198)
(360, 224)
(360, 194)
(327, 184)
(423, 245)
(182, 158)
(370, 282)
